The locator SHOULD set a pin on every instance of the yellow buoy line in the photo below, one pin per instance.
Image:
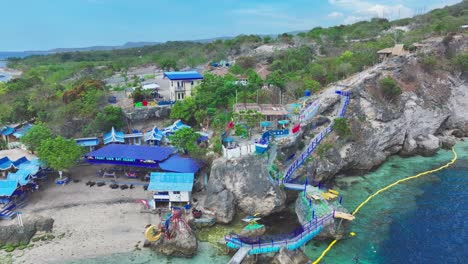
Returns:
(455, 156)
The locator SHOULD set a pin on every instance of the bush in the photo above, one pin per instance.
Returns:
(323, 148)
(389, 87)
(428, 61)
(461, 62)
(341, 127)
(301, 145)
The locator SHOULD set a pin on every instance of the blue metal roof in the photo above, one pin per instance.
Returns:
(187, 75)
(87, 142)
(7, 131)
(130, 153)
(177, 163)
(114, 137)
(7, 188)
(169, 181)
(22, 130)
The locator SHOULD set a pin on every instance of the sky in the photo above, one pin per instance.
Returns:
(48, 24)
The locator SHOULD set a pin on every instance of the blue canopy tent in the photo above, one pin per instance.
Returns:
(177, 163)
(6, 163)
(129, 155)
(26, 170)
(7, 187)
(114, 137)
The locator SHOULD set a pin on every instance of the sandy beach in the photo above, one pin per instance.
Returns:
(89, 221)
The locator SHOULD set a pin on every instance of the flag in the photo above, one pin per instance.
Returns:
(296, 128)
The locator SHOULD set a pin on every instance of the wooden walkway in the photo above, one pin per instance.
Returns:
(240, 255)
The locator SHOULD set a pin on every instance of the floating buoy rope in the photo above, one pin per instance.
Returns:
(448, 164)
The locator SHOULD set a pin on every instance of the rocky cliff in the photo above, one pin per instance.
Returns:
(244, 184)
(433, 104)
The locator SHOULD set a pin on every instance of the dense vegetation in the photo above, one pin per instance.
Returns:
(65, 91)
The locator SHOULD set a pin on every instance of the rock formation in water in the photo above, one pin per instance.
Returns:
(242, 183)
(13, 234)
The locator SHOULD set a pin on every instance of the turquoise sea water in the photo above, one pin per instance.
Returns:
(420, 221)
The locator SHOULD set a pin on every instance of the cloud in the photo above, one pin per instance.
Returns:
(271, 16)
(364, 10)
(335, 14)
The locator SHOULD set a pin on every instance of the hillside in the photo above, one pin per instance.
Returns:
(309, 60)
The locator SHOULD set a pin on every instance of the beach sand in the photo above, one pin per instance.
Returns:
(89, 221)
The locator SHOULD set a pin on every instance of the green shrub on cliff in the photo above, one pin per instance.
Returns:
(461, 62)
(389, 87)
(341, 127)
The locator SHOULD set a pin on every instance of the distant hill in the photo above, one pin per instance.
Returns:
(21, 54)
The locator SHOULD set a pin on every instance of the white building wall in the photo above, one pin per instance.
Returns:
(187, 88)
(239, 151)
(181, 197)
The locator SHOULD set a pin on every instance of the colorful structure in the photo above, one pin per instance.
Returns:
(170, 187)
(182, 83)
(314, 200)
(19, 179)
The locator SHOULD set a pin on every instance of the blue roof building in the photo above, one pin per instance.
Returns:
(154, 136)
(185, 75)
(19, 133)
(114, 137)
(129, 155)
(171, 187)
(90, 142)
(177, 163)
(182, 83)
(6, 131)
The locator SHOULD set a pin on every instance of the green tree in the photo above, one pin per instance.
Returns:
(59, 153)
(168, 64)
(185, 141)
(36, 135)
(341, 127)
(185, 110)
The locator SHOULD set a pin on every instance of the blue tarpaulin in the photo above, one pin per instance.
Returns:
(186, 75)
(6, 163)
(177, 163)
(7, 131)
(130, 155)
(169, 181)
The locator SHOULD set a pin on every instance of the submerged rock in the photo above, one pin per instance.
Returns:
(13, 234)
(253, 230)
(285, 256)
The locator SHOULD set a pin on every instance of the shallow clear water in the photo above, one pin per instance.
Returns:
(420, 221)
